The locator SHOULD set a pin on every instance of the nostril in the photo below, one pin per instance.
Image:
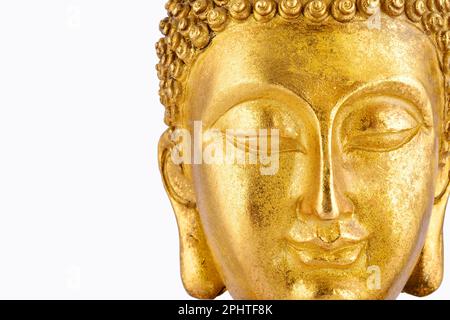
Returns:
(347, 207)
(340, 208)
(307, 207)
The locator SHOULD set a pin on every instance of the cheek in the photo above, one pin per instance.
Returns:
(239, 196)
(255, 211)
(393, 195)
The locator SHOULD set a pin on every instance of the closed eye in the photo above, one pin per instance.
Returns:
(380, 124)
(381, 142)
(265, 143)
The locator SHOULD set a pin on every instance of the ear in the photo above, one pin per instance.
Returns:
(428, 273)
(198, 271)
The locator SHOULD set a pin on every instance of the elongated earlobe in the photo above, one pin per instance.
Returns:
(428, 273)
(429, 270)
(198, 271)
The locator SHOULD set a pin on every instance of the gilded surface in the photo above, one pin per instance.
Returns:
(341, 188)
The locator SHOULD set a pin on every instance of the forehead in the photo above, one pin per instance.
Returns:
(318, 63)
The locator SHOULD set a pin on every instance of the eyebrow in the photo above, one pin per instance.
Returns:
(233, 97)
(226, 100)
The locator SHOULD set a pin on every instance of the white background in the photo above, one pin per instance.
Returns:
(83, 213)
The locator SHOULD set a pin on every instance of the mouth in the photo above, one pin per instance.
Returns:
(319, 254)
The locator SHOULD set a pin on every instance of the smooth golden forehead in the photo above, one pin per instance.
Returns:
(192, 24)
(304, 59)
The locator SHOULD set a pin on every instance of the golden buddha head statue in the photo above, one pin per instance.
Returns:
(335, 114)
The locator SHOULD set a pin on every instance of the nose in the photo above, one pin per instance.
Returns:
(326, 199)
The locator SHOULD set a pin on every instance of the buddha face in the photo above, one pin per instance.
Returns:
(358, 113)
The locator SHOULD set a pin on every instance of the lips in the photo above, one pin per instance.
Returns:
(327, 244)
(340, 254)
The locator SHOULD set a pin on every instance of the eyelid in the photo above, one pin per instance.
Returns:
(264, 113)
(404, 88)
(394, 102)
(277, 110)
(383, 139)
(373, 142)
(286, 144)
(250, 93)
